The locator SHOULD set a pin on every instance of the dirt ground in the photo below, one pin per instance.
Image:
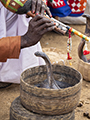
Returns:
(48, 41)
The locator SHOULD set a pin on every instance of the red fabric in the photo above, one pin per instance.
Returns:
(63, 8)
(86, 52)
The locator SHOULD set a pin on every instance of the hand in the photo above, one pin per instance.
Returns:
(38, 6)
(38, 26)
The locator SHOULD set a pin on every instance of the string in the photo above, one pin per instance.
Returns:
(69, 48)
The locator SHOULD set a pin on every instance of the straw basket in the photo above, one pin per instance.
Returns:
(83, 65)
(84, 69)
(18, 112)
(50, 101)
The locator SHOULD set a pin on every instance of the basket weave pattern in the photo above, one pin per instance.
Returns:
(18, 112)
(50, 101)
(84, 69)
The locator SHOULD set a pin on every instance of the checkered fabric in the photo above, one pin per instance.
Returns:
(63, 8)
(77, 7)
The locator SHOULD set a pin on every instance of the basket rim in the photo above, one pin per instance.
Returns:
(84, 62)
(37, 88)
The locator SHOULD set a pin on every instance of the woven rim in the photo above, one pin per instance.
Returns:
(83, 62)
(53, 90)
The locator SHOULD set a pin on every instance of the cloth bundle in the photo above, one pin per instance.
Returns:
(63, 8)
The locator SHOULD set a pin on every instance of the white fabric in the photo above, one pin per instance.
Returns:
(14, 25)
(76, 20)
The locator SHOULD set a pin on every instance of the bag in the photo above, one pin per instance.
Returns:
(63, 8)
(76, 20)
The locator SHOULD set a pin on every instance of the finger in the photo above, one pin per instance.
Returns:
(45, 26)
(37, 18)
(47, 30)
(48, 11)
(38, 7)
(33, 8)
(35, 21)
(43, 8)
(41, 20)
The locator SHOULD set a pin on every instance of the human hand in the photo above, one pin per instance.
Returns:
(39, 6)
(38, 26)
(36, 7)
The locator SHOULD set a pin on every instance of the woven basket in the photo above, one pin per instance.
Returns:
(84, 69)
(50, 101)
(18, 112)
(83, 65)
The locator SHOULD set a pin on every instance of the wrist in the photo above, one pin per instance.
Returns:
(23, 42)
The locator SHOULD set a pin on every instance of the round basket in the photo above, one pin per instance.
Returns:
(4, 85)
(50, 101)
(18, 112)
(84, 69)
(83, 65)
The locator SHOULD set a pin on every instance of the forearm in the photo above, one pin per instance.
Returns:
(9, 48)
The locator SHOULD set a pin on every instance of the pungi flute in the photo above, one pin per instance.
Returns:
(66, 26)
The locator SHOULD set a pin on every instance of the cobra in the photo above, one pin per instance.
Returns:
(50, 82)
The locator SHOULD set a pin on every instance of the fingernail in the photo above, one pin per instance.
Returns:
(36, 13)
(33, 11)
(51, 16)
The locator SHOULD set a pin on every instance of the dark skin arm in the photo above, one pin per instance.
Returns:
(38, 26)
(10, 46)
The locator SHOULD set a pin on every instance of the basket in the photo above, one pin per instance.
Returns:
(18, 112)
(84, 69)
(50, 101)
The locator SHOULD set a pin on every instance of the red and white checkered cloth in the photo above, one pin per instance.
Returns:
(63, 8)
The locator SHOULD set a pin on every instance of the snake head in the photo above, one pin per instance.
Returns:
(43, 55)
(39, 54)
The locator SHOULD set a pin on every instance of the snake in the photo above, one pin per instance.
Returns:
(50, 82)
(82, 43)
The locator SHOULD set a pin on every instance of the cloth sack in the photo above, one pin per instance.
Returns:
(63, 8)
(76, 20)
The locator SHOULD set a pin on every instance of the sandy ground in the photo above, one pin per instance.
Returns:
(48, 41)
